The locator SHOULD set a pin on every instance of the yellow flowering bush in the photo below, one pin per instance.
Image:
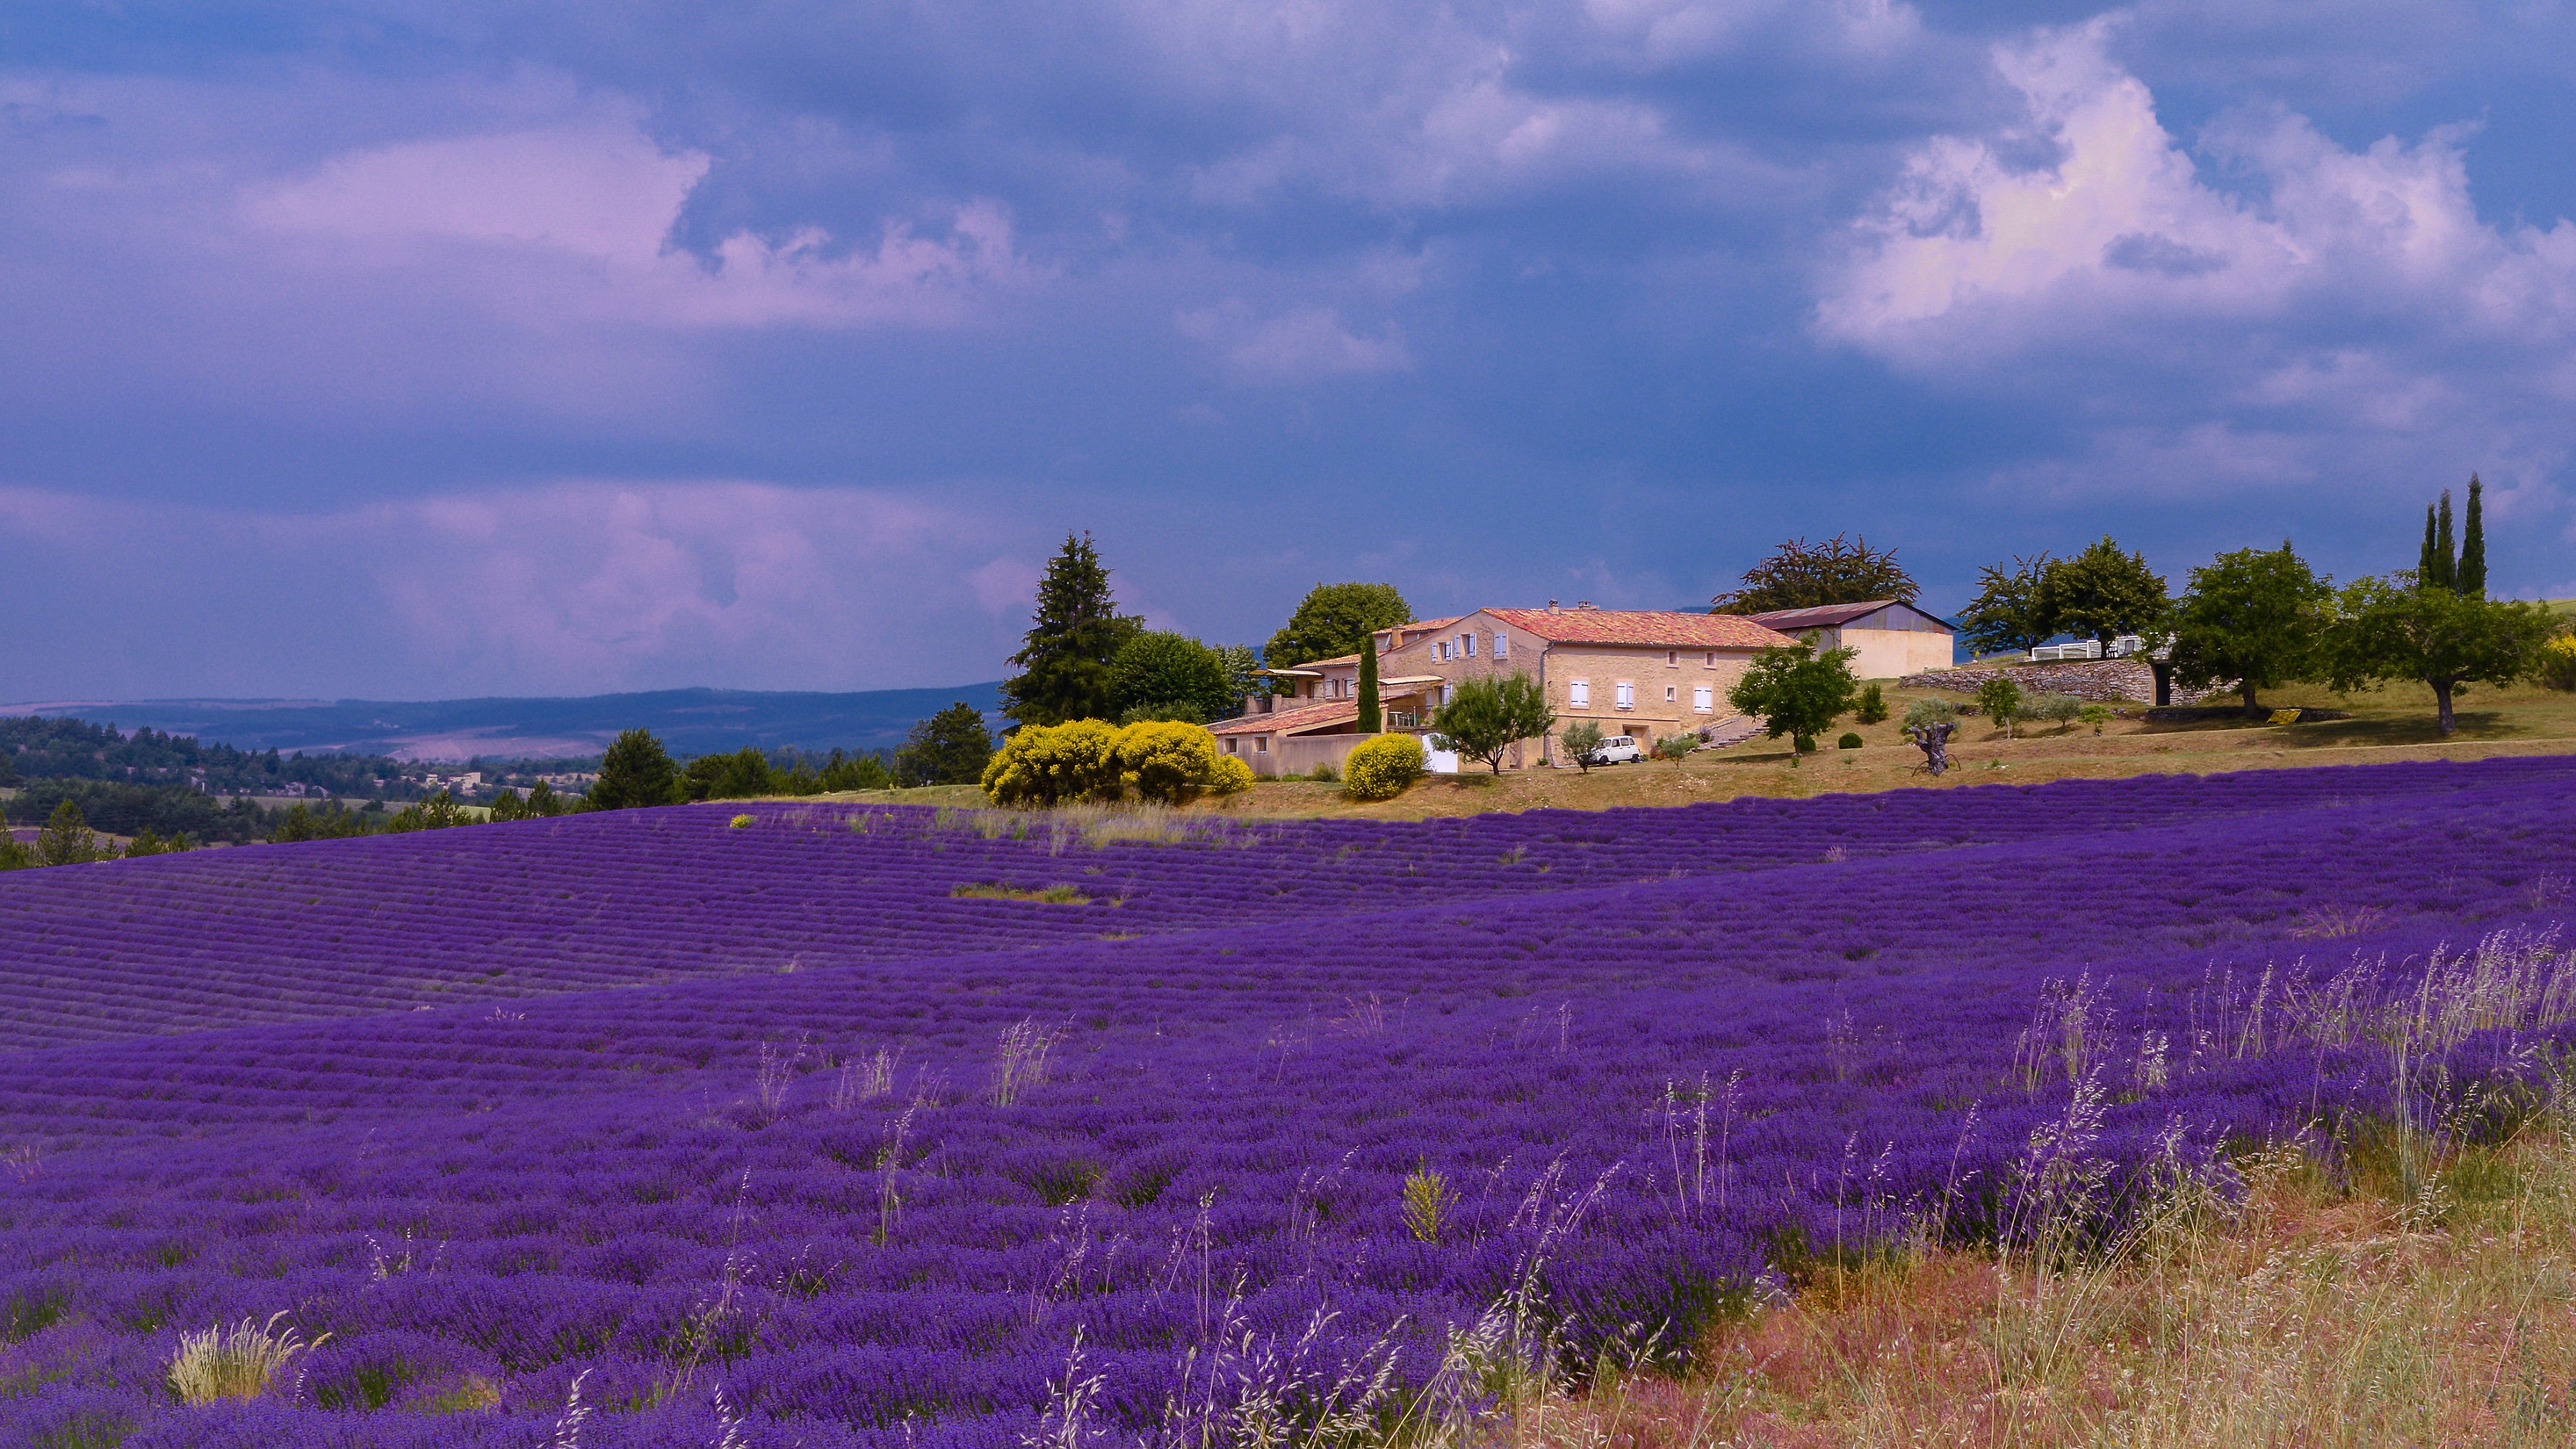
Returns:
(2558, 662)
(1057, 765)
(1383, 768)
(1166, 761)
(1231, 776)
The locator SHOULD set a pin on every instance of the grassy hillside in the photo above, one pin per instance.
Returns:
(2389, 725)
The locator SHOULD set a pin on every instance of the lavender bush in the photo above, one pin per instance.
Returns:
(1285, 1125)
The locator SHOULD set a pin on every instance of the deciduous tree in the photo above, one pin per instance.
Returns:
(1488, 714)
(1334, 620)
(1999, 699)
(1162, 675)
(1579, 740)
(2255, 616)
(2399, 628)
(951, 747)
(1797, 691)
(2102, 594)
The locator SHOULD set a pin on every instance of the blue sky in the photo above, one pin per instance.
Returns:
(418, 350)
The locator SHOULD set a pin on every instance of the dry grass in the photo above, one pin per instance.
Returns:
(2389, 725)
(239, 1364)
(2317, 1312)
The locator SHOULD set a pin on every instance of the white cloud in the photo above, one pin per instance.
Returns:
(566, 588)
(578, 218)
(1973, 253)
(1304, 344)
(2330, 318)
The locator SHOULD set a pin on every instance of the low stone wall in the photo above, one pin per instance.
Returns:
(2104, 681)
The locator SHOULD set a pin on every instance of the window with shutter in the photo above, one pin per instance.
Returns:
(1626, 694)
(1702, 699)
(1578, 693)
(1502, 646)
(1467, 642)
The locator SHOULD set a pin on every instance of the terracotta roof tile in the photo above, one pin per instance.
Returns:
(1289, 721)
(1651, 628)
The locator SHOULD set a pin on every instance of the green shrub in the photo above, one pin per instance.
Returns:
(1324, 773)
(1579, 740)
(742, 775)
(1872, 708)
(1057, 765)
(1848, 742)
(1384, 767)
(1803, 744)
(2060, 710)
(740, 822)
(1999, 699)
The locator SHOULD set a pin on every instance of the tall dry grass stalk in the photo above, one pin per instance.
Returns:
(2324, 1309)
(239, 1363)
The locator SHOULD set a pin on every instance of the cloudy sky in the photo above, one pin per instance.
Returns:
(407, 349)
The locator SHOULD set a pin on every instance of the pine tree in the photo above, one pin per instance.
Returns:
(1369, 721)
(1064, 658)
(635, 771)
(2470, 579)
(66, 840)
(2446, 567)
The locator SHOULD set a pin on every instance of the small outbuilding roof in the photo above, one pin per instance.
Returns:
(1834, 616)
(1291, 721)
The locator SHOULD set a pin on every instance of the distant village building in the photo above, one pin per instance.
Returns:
(1890, 638)
(1644, 673)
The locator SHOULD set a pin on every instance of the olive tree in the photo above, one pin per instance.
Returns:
(1487, 715)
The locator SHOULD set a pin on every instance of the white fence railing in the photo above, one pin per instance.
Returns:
(2121, 648)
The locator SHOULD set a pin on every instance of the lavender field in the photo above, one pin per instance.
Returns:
(824, 1128)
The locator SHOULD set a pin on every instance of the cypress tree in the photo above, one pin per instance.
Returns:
(2426, 570)
(1370, 720)
(2446, 568)
(2471, 578)
(1064, 658)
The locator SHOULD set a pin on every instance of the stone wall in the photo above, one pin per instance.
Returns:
(2105, 681)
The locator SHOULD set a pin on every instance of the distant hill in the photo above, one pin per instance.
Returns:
(689, 721)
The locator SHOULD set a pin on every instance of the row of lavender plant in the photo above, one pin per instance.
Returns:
(888, 1201)
(502, 912)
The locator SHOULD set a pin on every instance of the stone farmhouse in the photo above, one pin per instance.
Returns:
(1891, 638)
(1641, 673)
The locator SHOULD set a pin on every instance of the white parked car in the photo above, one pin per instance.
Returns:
(1618, 750)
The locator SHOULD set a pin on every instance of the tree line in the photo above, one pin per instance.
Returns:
(948, 748)
(2257, 619)
(37, 747)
